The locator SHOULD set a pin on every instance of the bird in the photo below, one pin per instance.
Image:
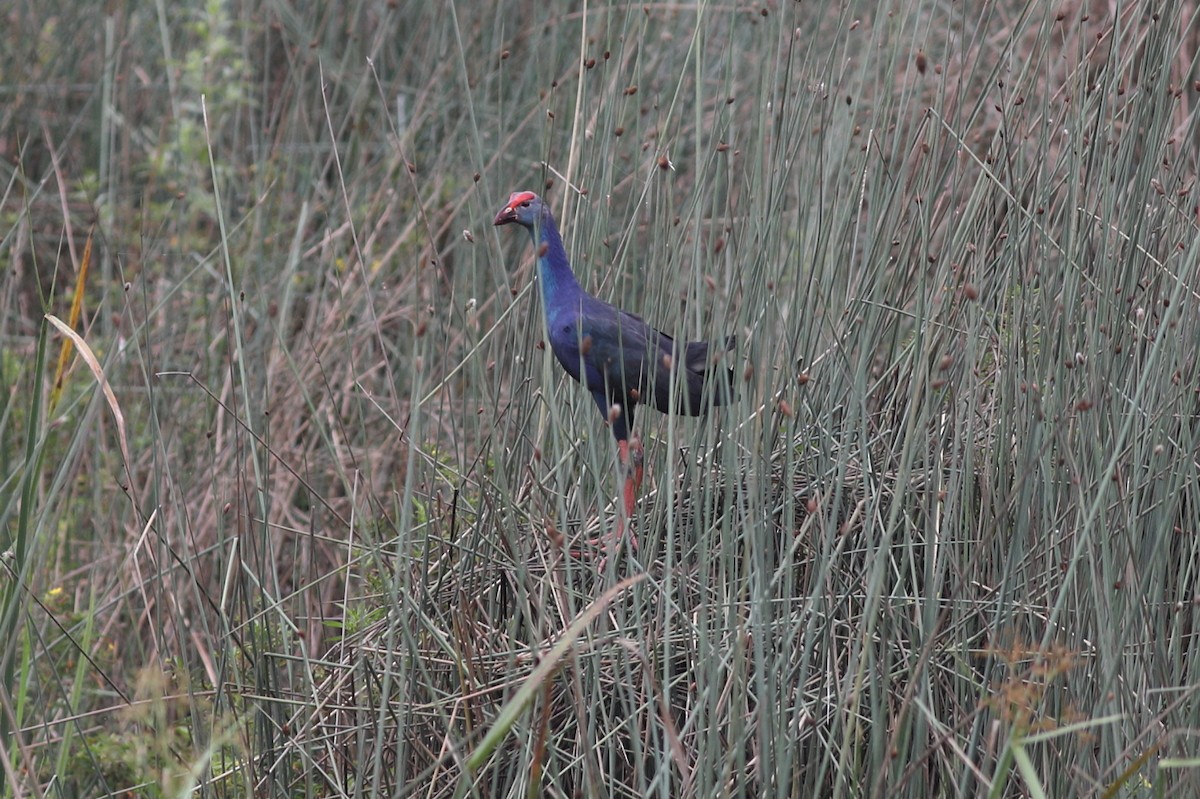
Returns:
(621, 360)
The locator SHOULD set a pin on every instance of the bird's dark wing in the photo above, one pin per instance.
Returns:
(699, 355)
(687, 378)
(622, 360)
(675, 377)
(620, 350)
(610, 353)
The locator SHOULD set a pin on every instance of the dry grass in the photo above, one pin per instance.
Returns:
(943, 544)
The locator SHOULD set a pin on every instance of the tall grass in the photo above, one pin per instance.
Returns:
(943, 544)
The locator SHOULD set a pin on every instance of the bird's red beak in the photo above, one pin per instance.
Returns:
(507, 214)
(516, 200)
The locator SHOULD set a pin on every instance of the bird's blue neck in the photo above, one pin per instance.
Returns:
(560, 287)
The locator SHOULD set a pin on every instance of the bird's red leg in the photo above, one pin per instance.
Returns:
(631, 456)
(630, 462)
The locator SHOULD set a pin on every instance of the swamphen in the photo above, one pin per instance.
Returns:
(619, 358)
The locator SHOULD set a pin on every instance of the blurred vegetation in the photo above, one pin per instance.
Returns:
(944, 545)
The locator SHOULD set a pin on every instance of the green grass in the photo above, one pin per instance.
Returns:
(945, 543)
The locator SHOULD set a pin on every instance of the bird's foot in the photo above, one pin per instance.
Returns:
(604, 546)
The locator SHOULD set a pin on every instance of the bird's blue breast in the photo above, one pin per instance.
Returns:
(566, 340)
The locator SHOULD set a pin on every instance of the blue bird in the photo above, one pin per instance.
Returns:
(622, 361)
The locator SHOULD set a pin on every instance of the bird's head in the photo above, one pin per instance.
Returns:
(523, 207)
